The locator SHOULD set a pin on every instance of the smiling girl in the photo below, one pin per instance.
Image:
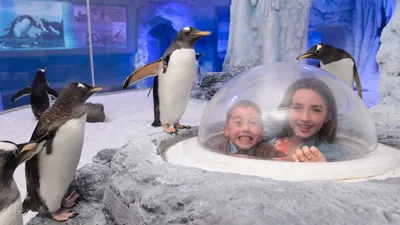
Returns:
(312, 122)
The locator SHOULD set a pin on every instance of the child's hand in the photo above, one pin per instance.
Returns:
(307, 154)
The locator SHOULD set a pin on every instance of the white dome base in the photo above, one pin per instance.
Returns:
(380, 164)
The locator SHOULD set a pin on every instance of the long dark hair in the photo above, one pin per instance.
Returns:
(328, 130)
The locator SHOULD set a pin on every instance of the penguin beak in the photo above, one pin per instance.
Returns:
(26, 151)
(29, 149)
(305, 55)
(201, 33)
(93, 90)
(45, 69)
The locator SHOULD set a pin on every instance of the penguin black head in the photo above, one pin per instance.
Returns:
(188, 36)
(40, 74)
(12, 155)
(321, 52)
(77, 92)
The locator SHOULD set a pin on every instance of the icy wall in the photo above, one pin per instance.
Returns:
(278, 30)
(387, 113)
(266, 31)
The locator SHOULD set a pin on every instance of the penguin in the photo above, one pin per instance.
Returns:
(156, 122)
(39, 91)
(50, 172)
(198, 55)
(337, 62)
(175, 72)
(11, 156)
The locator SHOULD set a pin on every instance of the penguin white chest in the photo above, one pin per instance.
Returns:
(342, 69)
(57, 169)
(175, 85)
(12, 215)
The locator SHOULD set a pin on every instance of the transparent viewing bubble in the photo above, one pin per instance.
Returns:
(266, 86)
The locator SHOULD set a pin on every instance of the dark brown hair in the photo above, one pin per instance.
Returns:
(328, 130)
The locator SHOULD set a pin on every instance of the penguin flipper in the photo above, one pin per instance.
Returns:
(150, 69)
(358, 82)
(21, 93)
(52, 92)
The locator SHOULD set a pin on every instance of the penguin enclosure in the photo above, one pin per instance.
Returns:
(126, 35)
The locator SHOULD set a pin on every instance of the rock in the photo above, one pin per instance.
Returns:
(95, 112)
(145, 189)
(211, 83)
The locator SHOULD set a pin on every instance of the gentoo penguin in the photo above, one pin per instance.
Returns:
(50, 172)
(156, 101)
(175, 74)
(39, 91)
(337, 62)
(11, 156)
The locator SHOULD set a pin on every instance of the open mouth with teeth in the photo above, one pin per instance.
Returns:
(246, 138)
(304, 128)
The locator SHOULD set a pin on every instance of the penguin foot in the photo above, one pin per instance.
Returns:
(63, 216)
(180, 126)
(170, 130)
(69, 201)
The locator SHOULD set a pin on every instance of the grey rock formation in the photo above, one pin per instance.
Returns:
(95, 112)
(387, 112)
(145, 189)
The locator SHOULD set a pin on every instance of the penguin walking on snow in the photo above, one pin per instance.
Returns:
(175, 74)
(156, 101)
(337, 62)
(11, 156)
(39, 91)
(50, 172)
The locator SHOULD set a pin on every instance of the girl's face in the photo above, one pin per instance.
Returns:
(307, 113)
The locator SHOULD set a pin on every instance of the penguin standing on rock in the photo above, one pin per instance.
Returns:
(11, 156)
(337, 62)
(156, 101)
(50, 172)
(39, 91)
(175, 72)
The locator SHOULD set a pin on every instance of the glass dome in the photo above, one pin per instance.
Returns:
(288, 107)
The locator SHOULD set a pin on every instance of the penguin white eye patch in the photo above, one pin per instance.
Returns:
(81, 86)
(5, 146)
(187, 28)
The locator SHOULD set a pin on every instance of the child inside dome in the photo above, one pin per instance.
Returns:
(243, 130)
(312, 123)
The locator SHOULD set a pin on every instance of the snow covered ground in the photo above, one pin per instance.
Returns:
(128, 116)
